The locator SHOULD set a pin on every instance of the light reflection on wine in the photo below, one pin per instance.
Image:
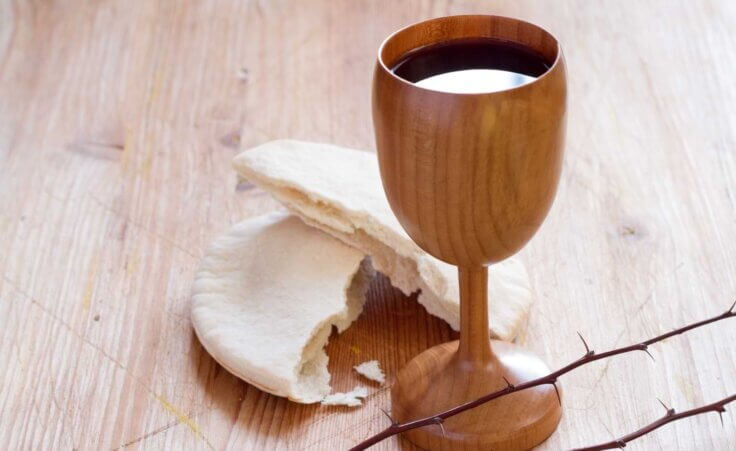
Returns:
(474, 81)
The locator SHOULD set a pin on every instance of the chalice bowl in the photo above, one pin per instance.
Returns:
(469, 115)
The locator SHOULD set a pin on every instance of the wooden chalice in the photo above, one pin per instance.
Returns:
(471, 177)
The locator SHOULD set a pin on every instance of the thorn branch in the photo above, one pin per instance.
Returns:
(718, 406)
(551, 378)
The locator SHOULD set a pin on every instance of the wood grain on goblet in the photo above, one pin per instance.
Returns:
(471, 177)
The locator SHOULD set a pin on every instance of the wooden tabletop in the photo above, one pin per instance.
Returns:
(118, 122)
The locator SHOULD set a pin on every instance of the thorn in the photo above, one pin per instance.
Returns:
(587, 349)
(720, 414)
(559, 399)
(393, 422)
(670, 411)
(646, 349)
(439, 421)
(621, 444)
(733, 306)
(509, 385)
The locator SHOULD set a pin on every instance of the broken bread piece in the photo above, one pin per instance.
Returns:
(371, 370)
(350, 399)
(266, 297)
(339, 190)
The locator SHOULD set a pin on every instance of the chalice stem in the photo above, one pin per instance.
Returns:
(475, 340)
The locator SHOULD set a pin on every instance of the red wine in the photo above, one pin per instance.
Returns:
(472, 65)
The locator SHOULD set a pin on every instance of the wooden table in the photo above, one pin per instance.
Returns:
(118, 121)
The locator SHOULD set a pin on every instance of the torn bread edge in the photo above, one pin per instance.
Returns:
(309, 382)
(276, 167)
(313, 378)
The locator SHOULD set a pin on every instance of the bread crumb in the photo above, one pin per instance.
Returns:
(372, 371)
(350, 399)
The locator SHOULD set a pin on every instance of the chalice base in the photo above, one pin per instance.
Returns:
(439, 379)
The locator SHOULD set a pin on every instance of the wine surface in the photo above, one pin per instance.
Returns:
(470, 66)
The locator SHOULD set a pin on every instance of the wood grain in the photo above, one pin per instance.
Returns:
(471, 177)
(117, 127)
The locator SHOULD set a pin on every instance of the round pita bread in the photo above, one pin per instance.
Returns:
(266, 297)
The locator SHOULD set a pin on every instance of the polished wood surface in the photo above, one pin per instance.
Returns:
(516, 422)
(117, 127)
(475, 339)
(471, 177)
(450, 374)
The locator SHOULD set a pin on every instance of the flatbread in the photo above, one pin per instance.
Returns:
(266, 297)
(339, 190)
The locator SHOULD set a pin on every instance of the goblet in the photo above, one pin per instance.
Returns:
(471, 177)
